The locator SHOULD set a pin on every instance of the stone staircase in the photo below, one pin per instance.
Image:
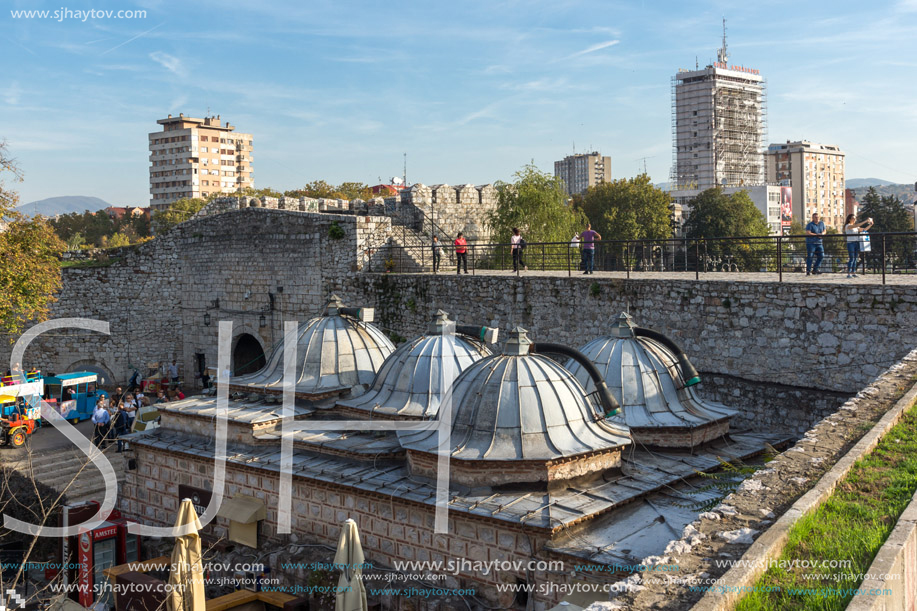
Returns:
(63, 469)
(409, 248)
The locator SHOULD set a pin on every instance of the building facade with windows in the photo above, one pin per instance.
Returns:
(579, 172)
(197, 158)
(816, 175)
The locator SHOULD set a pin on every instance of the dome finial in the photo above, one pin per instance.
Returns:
(624, 326)
(518, 343)
(439, 323)
(333, 306)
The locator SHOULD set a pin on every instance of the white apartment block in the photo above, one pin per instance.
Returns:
(579, 172)
(816, 175)
(197, 158)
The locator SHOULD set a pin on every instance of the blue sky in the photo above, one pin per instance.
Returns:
(471, 91)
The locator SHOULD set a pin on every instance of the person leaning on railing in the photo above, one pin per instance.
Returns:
(588, 238)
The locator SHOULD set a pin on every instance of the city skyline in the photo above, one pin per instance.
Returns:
(470, 93)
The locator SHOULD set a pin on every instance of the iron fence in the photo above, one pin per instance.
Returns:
(888, 253)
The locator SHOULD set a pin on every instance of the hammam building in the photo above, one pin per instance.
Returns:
(464, 443)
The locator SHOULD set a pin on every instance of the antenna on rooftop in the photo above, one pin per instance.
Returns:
(405, 178)
(721, 55)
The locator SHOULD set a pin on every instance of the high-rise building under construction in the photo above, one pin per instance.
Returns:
(719, 120)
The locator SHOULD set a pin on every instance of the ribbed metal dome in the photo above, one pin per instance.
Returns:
(334, 353)
(644, 377)
(410, 381)
(517, 406)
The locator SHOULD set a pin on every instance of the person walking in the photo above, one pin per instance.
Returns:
(461, 253)
(101, 419)
(588, 238)
(814, 244)
(120, 426)
(852, 229)
(517, 245)
(437, 253)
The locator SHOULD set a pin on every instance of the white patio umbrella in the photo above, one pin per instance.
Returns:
(351, 593)
(187, 574)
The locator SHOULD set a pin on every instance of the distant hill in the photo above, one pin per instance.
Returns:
(63, 205)
(856, 183)
(903, 192)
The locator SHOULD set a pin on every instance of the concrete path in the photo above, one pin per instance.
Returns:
(766, 277)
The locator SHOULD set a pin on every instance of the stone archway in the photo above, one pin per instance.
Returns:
(105, 376)
(247, 355)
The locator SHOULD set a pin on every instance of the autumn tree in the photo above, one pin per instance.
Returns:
(177, 212)
(30, 253)
(316, 189)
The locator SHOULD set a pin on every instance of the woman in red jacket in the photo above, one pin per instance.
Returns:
(461, 253)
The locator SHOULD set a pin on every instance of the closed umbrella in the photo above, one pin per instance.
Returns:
(351, 594)
(187, 575)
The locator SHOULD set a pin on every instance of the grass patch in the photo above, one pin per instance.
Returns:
(850, 526)
(88, 263)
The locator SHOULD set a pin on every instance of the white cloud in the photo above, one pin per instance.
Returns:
(907, 6)
(169, 62)
(12, 94)
(594, 48)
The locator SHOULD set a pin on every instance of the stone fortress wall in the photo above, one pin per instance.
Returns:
(282, 264)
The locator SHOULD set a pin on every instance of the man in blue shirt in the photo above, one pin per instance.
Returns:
(814, 232)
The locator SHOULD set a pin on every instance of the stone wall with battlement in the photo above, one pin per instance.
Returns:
(229, 266)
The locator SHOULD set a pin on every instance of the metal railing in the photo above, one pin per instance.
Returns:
(890, 253)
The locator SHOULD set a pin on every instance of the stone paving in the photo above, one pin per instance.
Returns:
(788, 277)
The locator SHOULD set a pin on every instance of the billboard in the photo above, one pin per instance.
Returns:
(786, 208)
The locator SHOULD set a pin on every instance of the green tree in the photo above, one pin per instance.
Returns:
(30, 251)
(628, 209)
(178, 212)
(887, 212)
(889, 216)
(250, 192)
(717, 215)
(536, 203)
(76, 242)
(714, 214)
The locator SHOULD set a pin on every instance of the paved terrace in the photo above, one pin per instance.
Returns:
(897, 279)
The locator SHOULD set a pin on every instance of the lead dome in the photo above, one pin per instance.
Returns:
(520, 418)
(410, 383)
(647, 377)
(335, 352)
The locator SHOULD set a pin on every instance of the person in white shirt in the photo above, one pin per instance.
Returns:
(173, 374)
(517, 246)
(852, 229)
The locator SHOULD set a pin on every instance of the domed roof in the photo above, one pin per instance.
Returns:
(410, 382)
(334, 353)
(644, 376)
(518, 406)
